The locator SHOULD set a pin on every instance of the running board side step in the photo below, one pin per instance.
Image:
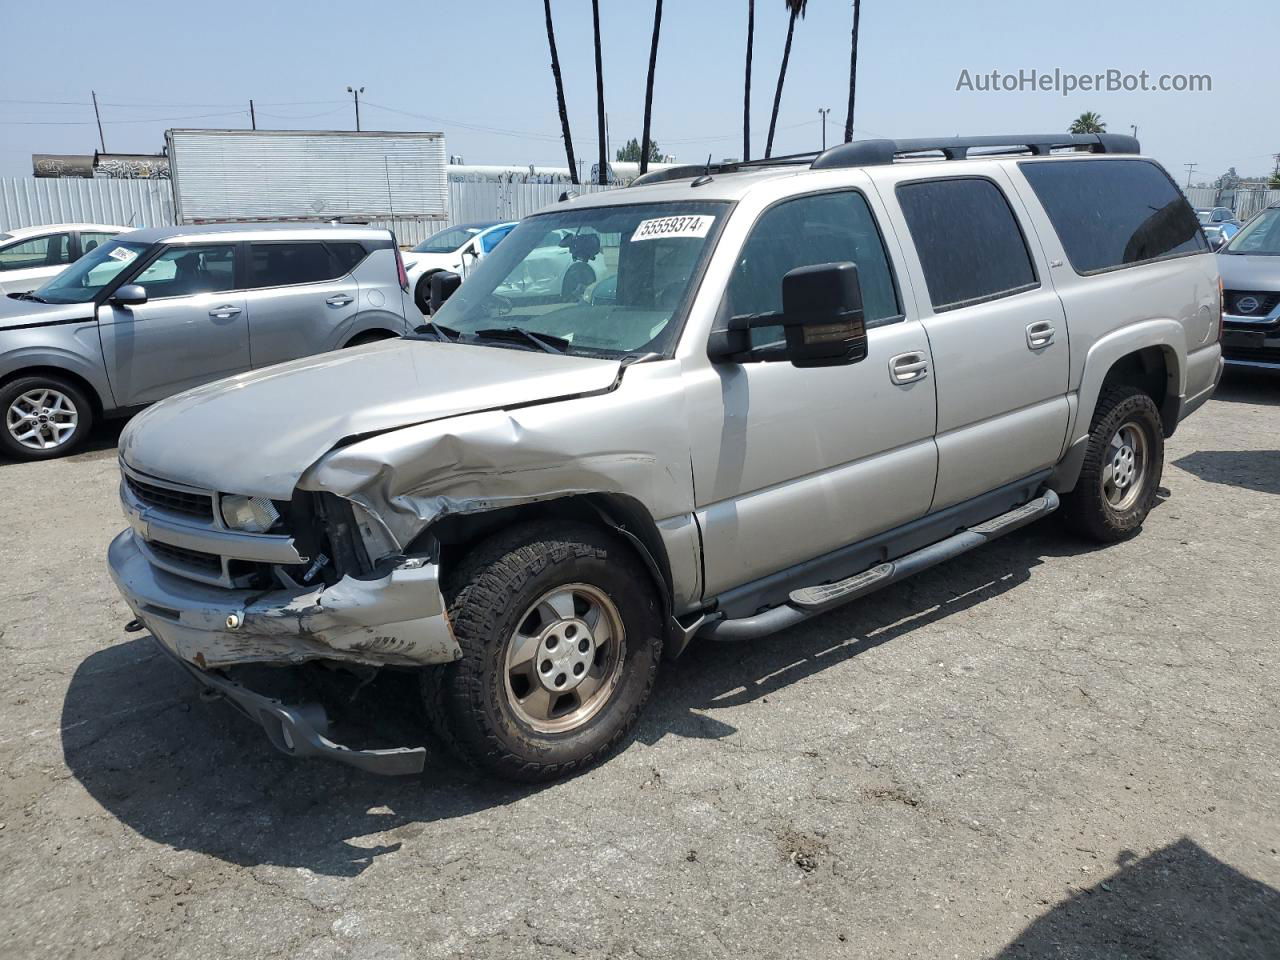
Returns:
(807, 602)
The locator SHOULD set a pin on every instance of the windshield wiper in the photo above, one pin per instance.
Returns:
(443, 333)
(543, 341)
(30, 296)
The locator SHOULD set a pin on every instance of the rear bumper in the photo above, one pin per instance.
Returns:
(397, 619)
(299, 730)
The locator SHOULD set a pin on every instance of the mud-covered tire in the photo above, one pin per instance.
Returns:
(1087, 510)
(67, 396)
(470, 702)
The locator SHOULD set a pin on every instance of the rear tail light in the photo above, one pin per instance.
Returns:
(1222, 307)
(400, 270)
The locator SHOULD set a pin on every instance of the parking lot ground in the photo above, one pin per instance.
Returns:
(1040, 749)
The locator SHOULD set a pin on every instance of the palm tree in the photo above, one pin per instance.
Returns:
(797, 8)
(602, 174)
(648, 86)
(746, 91)
(564, 114)
(853, 72)
(1088, 122)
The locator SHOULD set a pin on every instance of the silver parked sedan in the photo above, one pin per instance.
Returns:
(155, 312)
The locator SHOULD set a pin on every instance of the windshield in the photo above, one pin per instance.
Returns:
(447, 241)
(1260, 237)
(84, 279)
(603, 281)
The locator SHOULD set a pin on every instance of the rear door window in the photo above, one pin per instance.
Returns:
(969, 243)
(1114, 213)
(90, 240)
(291, 262)
(822, 228)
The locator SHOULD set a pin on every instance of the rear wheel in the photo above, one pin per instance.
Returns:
(561, 637)
(1122, 468)
(370, 336)
(44, 417)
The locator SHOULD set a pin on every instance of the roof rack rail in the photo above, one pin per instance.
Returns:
(866, 153)
(684, 171)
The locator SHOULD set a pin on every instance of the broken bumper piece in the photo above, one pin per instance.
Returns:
(397, 619)
(299, 729)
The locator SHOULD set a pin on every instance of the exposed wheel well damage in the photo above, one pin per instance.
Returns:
(457, 534)
(1154, 371)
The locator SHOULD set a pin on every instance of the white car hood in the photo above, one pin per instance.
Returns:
(256, 433)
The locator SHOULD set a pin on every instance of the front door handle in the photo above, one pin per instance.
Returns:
(225, 312)
(1040, 334)
(339, 300)
(908, 367)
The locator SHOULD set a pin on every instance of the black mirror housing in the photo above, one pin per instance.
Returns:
(822, 315)
(129, 295)
(443, 284)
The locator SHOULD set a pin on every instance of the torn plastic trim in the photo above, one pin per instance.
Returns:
(397, 618)
(298, 730)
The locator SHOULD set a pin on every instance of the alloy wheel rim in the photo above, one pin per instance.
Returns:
(1124, 468)
(42, 419)
(564, 659)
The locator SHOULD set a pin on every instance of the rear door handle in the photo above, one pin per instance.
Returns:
(908, 368)
(339, 300)
(1040, 334)
(225, 312)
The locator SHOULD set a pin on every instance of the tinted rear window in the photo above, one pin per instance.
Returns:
(1114, 213)
(970, 245)
(279, 264)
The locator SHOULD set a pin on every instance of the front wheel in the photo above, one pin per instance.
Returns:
(561, 636)
(1122, 467)
(44, 417)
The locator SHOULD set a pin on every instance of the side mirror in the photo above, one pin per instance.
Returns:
(1217, 242)
(129, 295)
(443, 284)
(822, 315)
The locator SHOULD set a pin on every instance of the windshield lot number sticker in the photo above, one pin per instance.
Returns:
(663, 227)
(123, 254)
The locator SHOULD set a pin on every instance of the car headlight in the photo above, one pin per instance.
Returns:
(250, 514)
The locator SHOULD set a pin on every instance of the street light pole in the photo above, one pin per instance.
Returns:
(355, 92)
(823, 111)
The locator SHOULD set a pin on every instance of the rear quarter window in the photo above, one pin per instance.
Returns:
(1114, 213)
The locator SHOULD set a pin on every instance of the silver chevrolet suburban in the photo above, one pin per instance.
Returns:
(153, 312)
(792, 382)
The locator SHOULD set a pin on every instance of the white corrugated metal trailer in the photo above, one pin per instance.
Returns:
(308, 175)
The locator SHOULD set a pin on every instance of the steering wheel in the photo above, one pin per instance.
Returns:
(502, 306)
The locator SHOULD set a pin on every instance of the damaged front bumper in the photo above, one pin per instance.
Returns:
(299, 729)
(397, 619)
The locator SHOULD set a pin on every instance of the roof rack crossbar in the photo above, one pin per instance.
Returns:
(864, 153)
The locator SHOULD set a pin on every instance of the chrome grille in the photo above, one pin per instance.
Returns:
(198, 505)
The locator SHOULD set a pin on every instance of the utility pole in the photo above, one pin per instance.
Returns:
(1190, 167)
(822, 112)
(253, 119)
(355, 92)
(98, 116)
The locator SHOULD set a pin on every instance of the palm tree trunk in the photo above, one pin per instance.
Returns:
(853, 72)
(777, 94)
(564, 114)
(648, 87)
(602, 175)
(746, 90)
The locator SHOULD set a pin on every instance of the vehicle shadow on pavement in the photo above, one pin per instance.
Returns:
(104, 437)
(1179, 901)
(197, 776)
(1249, 386)
(1249, 469)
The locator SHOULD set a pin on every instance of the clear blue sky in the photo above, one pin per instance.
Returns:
(484, 63)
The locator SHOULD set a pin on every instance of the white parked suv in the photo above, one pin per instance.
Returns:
(31, 255)
(454, 249)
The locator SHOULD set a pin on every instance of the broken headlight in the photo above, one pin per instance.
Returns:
(249, 514)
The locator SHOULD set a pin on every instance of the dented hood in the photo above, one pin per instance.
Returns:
(256, 433)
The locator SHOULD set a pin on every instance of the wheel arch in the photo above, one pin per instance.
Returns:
(63, 373)
(1150, 356)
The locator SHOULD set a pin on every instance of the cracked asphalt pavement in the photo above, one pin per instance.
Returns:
(1037, 750)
